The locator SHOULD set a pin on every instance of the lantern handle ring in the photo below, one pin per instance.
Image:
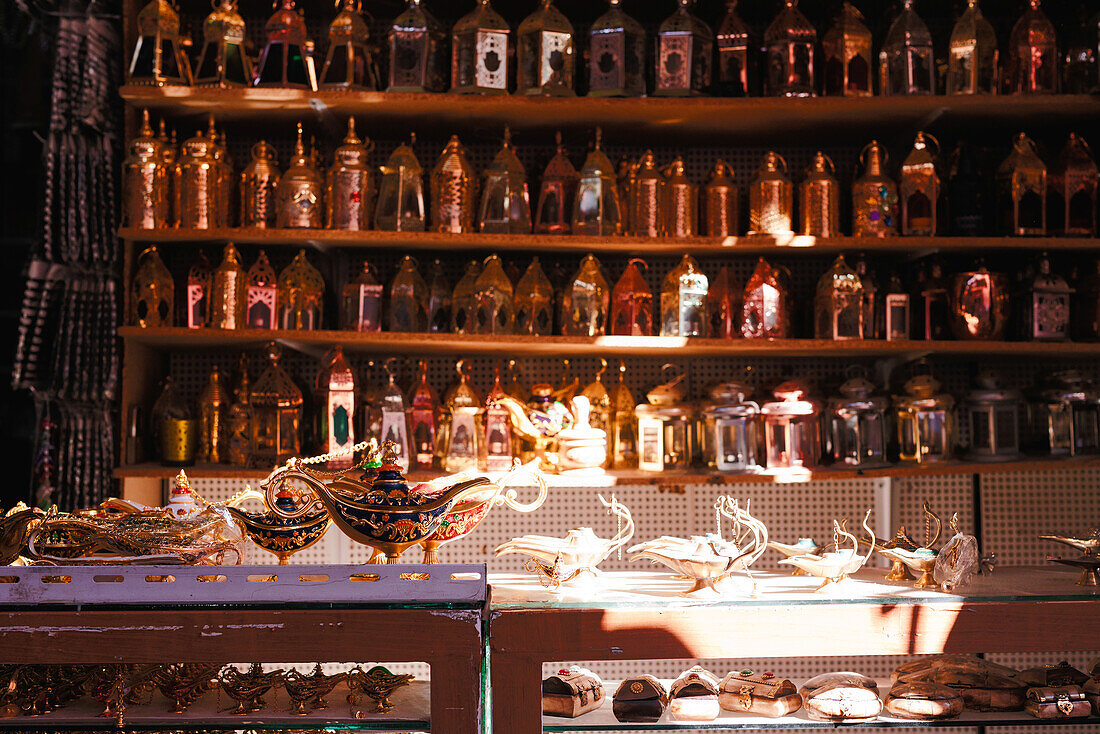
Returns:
(885, 153)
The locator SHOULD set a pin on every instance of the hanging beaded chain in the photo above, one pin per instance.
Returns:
(323, 458)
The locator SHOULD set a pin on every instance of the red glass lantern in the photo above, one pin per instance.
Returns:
(287, 57)
(363, 301)
(423, 407)
(556, 191)
(1032, 54)
(766, 313)
(789, 46)
(632, 303)
(724, 306)
(979, 305)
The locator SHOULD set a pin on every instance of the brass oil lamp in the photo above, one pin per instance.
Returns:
(623, 432)
(919, 188)
(198, 184)
(198, 292)
(847, 50)
(462, 436)
(298, 197)
(720, 203)
(287, 57)
(400, 205)
(896, 311)
(390, 405)
(724, 306)
(408, 299)
(493, 294)
(557, 190)
(1045, 305)
(766, 310)
(213, 406)
(819, 199)
(596, 209)
(223, 61)
(159, 57)
(454, 190)
(464, 300)
(301, 291)
(545, 57)
(276, 405)
(979, 305)
(666, 428)
(858, 425)
(152, 292)
(1064, 415)
(423, 407)
(534, 301)
(1072, 190)
(505, 204)
(925, 421)
(1022, 190)
(646, 200)
(684, 300)
(934, 305)
(363, 301)
(685, 45)
(972, 57)
(792, 428)
(771, 197)
(439, 300)
(349, 63)
(838, 304)
(349, 184)
(874, 196)
(145, 181)
(632, 303)
(227, 292)
(907, 64)
(585, 301)
(261, 294)
(993, 413)
(238, 421)
(789, 48)
(616, 54)
(174, 427)
(731, 435)
(736, 54)
(418, 49)
(1032, 54)
(259, 184)
(498, 428)
(679, 201)
(480, 52)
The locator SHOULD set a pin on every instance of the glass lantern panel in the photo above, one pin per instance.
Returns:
(1086, 431)
(932, 428)
(677, 448)
(980, 436)
(1059, 428)
(1006, 428)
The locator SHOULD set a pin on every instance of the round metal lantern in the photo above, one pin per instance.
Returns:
(792, 428)
(1064, 416)
(858, 425)
(926, 421)
(993, 413)
(730, 436)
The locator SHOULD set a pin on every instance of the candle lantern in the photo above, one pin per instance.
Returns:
(390, 406)
(439, 300)
(151, 292)
(349, 63)
(967, 192)
(721, 210)
(585, 301)
(1072, 190)
(684, 300)
(334, 398)
(276, 404)
(874, 196)
(462, 436)
(259, 183)
(771, 197)
(479, 52)
(363, 301)
(159, 58)
(616, 55)
(666, 429)
(287, 56)
(169, 156)
(993, 413)
(1032, 54)
(907, 64)
(871, 301)
(223, 174)
(1064, 416)
(556, 191)
(418, 51)
(227, 292)
(596, 205)
(498, 428)
(464, 300)
(979, 305)
(298, 196)
(819, 198)
(1022, 190)
(858, 425)
(454, 190)
(925, 421)
(534, 301)
(198, 184)
(646, 208)
(505, 205)
(679, 201)
(494, 312)
(145, 181)
(174, 427)
(972, 54)
(685, 45)
(789, 47)
(920, 188)
(838, 304)
(731, 437)
(632, 303)
(223, 61)
(238, 420)
(935, 305)
(724, 306)
(1086, 305)
(734, 39)
(198, 292)
(301, 290)
(408, 299)
(261, 294)
(1045, 305)
(766, 310)
(847, 50)
(213, 405)
(623, 433)
(349, 187)
(545, 57)
(423, 406)
(400, 205)
(896, 313)
(792, 428)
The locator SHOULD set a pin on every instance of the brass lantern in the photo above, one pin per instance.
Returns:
(349, 188)
(298, 200)
(400, 205)
(259, 182)
(545, 57)
(858, 425)
(276, 405)
(616, 54)
(789, 47)
(895, 311)
(679, 201)
(934, 308)
(907, 64)
(223, 61)
(585, 301)
(1072, 190)
(736, 54)
(771, 197)
(227, 292)
(301, 290)
(1032, 54)
(505, 204)
(287, 57)
(464, 300)
(213, 408)
(261, 294)
(349, 63)
(480, 52)
(632, 303)
(684, 300)
(919, 188)
(408, 299)
(439, 300)
(534, 302)
(198, 184)
(925, 421)
(363, 301)
(596, 208)
(197, 305)
(493, 293)
(792, 428)
(223, 174)
(766, 309)
(847, 49)
(724, 306)
(174, 427)
(145, 181)
(972, 54)
(979, 305)
(685, 45)
(334, 406)
(454, 190)
(151, 292)
(1022, 190)
(666, 428)
(874, 196)
(418, 48)
(389, 404)
(557, 189)
(169, 156)
(498, 428)
(1064, 416)
(646, 203)
(993, 413)
(819, 199)
(461, 437)
(838, 304)
(238, 421)
(720, 202)
(423, 407)
(622, 434)
(1045, 304)
(159, 58)
(730, 435)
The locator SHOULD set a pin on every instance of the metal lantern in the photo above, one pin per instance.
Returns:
(724, 306)
(223, 174)
(1032, 54)
(423, 405)
(874, 196)
(498, 428)
(363, 301)
(349, 184)
(408, 299)
(334, 401)
(771, 197)
(1045, 305)
(721, 214)
(585, 301)
(789, 47)
(972, 54)
(847, 50)
(480, 52)
(159, 58)
(462, 437)
(298, 199)
(896, 312)
(349, 63)
(400, 205)
(225, 308)
(599, 399)
(684, 300)
(238, 420)
(979, 305)
(925, 421)
(261, 294)
(1064, 415)
(919, 188)
(819, 199)
(666, 429)
(493, 294)
(685, 45)
(174, 427)
(731, 437)
(679, 201)
(622, 433)
(439, 300)
(907, 63)
(935, 305)
(646, 208)
(389, 404)
(287, 57)
(545, 58)
(213, 406)
(223, 61)
(557, 188)
(632, 303)
(169, 156)
(418, 51)
(301, 292)
(276, 404)
(1022, 190)
(464, 300)
(145, 181)
(596, 205)
(259, 186)
(792, 428)
(454, 190)
(626, 178)
(838, 304)
(616, 55)
(151, 292)
(534, 301)
(198, 184)
(968, 193)
(505, 204)
(736, 54)
(766, 309)
(197, 304)
(993, 414)
(1072, 190)
(871, 299)
(858, 425)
